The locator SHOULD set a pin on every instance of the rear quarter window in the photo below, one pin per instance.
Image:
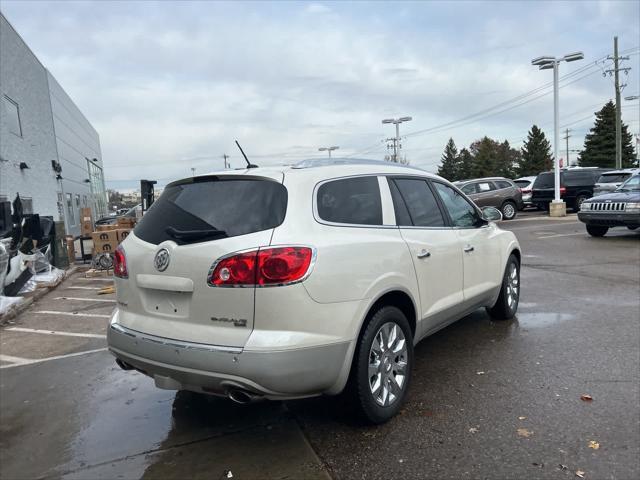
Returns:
(353, 201)
(502, 184)
(236, 206)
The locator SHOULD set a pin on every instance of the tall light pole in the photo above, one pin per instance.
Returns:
(396, 140)
(328, 149)
(557, 208)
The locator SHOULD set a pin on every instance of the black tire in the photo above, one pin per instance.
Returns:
(359, 389)
(578, 201)
(597, 231)
(509, 210)
(506, 306)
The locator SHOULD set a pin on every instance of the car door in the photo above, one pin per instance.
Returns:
(435, 250)
(482, 256)
(486, 194)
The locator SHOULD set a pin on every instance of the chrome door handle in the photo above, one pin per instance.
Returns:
(424, 254)
(468, 249)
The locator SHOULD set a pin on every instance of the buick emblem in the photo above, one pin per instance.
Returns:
(161, 261)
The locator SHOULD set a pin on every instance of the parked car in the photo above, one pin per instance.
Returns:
(113, 219)
(609, 181)
(290, 282)
(525, 184)
(618, 209)
(497, 192)
(576, 185)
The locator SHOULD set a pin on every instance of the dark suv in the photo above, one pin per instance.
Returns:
(576, 185)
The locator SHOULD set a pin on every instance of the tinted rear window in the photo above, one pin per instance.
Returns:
(236, 206)
(350, 200)
(422, 206)
(522, 183)
(576, 178)
(544, 180)
(503, 184)
(614, 178)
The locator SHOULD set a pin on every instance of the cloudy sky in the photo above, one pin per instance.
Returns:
(170, 85)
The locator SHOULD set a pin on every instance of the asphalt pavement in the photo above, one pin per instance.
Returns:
(488, 399)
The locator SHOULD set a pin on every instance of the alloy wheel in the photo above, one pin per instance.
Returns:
(388, 364)
(513, 286)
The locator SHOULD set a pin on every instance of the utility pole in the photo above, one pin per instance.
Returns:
(396, 141)
(630, 98)
(616, 72)
(618, 106)
(566, 137)
(328, 149)
(226, 165)
(391, 143)
(193, 171)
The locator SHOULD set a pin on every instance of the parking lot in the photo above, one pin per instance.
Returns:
(549, 394)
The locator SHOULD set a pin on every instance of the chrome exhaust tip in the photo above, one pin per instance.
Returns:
(241, 396)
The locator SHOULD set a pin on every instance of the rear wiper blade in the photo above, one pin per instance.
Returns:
(194, 234)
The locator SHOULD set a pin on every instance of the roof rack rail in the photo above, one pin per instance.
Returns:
(324, 162)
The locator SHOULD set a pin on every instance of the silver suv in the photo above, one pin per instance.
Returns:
(289, 282)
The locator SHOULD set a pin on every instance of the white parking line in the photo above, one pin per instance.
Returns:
(54, 332)
(85, 288)
(19, 362)
(85, 299)
(546, 225)
(562, 235)
(98, 279)
(73, 314)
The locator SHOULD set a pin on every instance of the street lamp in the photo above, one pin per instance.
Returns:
(328, 149)
(557, 208)
(396, 140)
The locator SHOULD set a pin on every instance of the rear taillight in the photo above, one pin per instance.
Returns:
(525, 190)
(120, 263)
(268, 266)
(562, 190)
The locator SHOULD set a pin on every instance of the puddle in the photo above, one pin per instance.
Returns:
(542, 319)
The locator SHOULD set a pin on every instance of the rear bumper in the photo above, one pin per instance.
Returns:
(176, 365)
(604, 219)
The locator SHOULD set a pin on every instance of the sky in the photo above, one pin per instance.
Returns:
(170, 85)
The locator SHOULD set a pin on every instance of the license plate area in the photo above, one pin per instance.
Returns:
(167, 304)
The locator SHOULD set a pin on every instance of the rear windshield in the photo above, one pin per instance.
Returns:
(193, 211)
(544, 180)
(613, 177)
(522, 183)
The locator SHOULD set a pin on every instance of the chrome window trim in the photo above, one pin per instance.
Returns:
(169, 342)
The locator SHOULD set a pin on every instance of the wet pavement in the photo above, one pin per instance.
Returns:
(487, 400)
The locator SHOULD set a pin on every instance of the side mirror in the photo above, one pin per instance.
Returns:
(491, 214)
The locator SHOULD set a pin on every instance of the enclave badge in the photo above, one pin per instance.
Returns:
(161, 261)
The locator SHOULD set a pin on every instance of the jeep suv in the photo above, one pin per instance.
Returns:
(290, 282)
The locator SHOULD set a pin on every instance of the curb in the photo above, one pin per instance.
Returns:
(37, 295)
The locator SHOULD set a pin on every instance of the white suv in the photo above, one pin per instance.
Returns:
(290, 282)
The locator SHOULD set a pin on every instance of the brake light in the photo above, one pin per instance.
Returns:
(525, 190)
(562, 190)
(269, 266)
(120, 263)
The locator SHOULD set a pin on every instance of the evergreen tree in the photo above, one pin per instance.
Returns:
(600, 142)
(465, 162)
(449, 168)
(536, 154)
(484, 152)
(506, 160)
